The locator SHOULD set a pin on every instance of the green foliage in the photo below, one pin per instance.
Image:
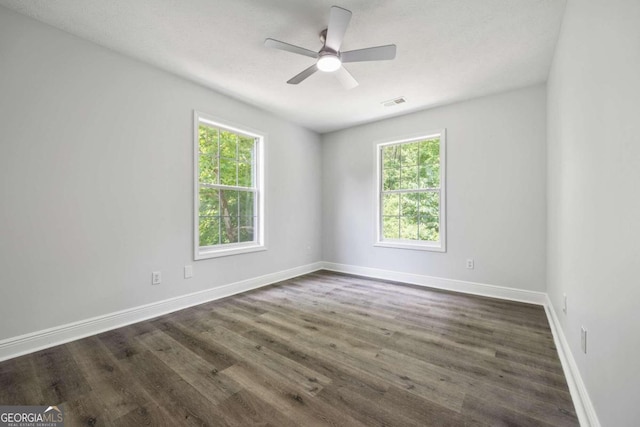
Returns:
(411, 215)
(226, 159)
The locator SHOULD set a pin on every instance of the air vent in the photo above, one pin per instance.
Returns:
(394, 102)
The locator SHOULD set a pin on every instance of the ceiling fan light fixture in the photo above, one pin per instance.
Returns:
(329, 63)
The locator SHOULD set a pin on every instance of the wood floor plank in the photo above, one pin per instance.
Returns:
(556, 412)
(86, 411)
(59, 375)
(121, 342)
(271, 363)
(427, 385)
(289, 400)
(118, 395)
(190, 367)
(349, 401)
(368, 386)
(412, 410)
(151, 414)
(19, 382)
(490, 369)
(324, 349)
(195, 341)
(167, 389)
(492, 412)
(245, 409)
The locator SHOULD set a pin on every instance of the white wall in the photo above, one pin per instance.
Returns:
(594, 198)
(96, 182)
(496, 203)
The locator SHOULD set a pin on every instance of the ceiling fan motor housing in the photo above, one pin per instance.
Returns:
(323, 36)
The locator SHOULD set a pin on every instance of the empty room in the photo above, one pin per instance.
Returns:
(310, 213)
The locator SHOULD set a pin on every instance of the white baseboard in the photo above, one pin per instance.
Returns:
(482, 289)
(584, 408)
(35, 341)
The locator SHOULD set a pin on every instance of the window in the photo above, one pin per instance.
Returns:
(411, 193)
(229, 196)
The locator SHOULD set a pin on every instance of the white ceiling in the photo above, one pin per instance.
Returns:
(447, 50)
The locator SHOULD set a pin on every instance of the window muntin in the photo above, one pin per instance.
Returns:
(411, 198)
(229, 196)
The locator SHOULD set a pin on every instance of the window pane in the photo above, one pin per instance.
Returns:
(429, 177)
(209, 230)
(409, 227)
(229, 202)
(228, 173)
(246, 228)
(391, 205)
(245, 178)
(246, 204)
(391, 157)
(229, 229)
(228, 145)
(390, 227)
(228, 158)
(429, 219)
(209, 202)
(208, 138)
(430, 152)
(429, 229)
(409, 178)
(429, 203)
(430, 163)
(409, 154)
(245, 149)
(208, 173)
(409, 204)
(391, 179)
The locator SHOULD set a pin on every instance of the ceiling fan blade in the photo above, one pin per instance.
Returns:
(303, 75)
(276, 44)
(346, 78)
(338, 22)
(378, 53)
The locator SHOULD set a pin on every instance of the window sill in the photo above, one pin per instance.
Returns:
(228, 251)
(412, 246)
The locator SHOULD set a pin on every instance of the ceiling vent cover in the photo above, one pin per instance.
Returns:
(394, 102)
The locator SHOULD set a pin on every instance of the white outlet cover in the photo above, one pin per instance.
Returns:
(188, 271)
(583, 339)
(156, 278)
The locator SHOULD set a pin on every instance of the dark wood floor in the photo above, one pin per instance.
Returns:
(322, 349)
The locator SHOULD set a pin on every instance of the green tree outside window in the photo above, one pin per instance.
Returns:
(227, 186)
(410, 191)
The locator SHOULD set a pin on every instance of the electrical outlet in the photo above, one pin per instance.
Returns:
(564, 303)
(583, 339)
(188, 271)
(156, 278)
(470, 263)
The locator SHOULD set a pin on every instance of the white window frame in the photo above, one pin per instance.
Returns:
(258, 244)
(441, 245)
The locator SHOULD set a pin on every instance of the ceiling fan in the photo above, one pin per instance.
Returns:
(329, 59)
